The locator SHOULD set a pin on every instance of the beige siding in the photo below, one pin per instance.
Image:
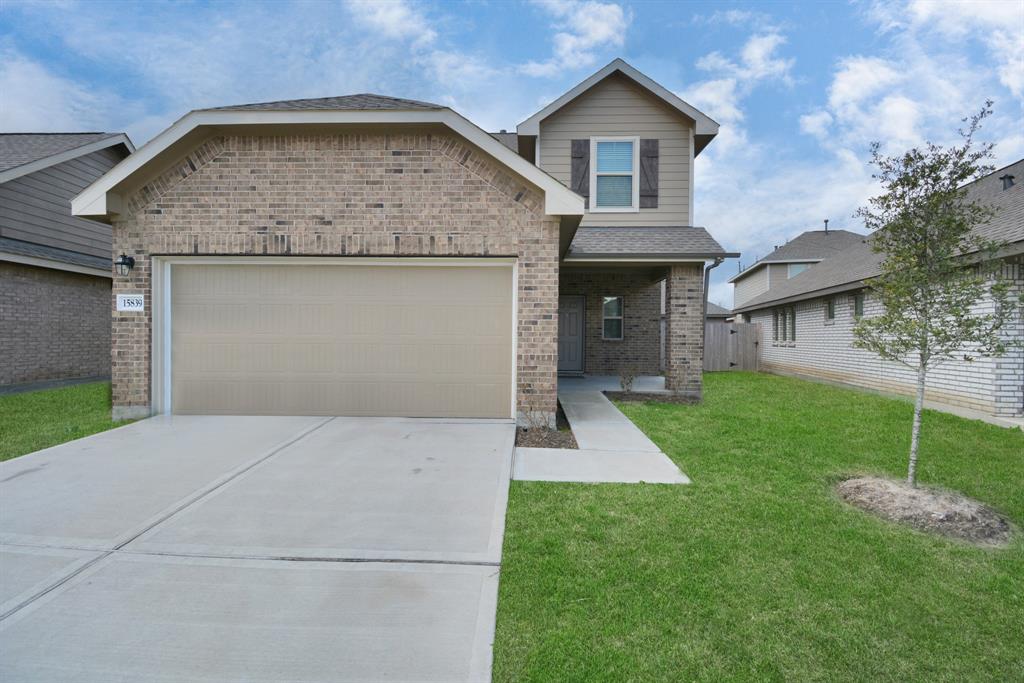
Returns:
(617, 106)
(777, 274)
(746, 288)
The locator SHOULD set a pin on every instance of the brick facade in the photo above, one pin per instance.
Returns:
(824, 350)
(684, 329)
(415, 193)
(639, 349)
(54, 324)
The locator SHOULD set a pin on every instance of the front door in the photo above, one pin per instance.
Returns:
(570, 334)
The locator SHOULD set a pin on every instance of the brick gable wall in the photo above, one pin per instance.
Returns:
(412, 193)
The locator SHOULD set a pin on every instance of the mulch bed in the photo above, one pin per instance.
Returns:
(543, 437)
(640, 396)
(934, 511)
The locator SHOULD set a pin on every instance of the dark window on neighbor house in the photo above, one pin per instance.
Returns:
(611, 318)
(775, 325)
(858, 305)
(792, 323)
(830, 309)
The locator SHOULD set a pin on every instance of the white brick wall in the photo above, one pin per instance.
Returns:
(825, 350)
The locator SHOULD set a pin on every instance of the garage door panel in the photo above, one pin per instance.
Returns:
(342, 340)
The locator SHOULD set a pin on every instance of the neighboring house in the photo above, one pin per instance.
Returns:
(55, 268)
(789, 260)
(367, 255)
(807, 322)
(718, 314)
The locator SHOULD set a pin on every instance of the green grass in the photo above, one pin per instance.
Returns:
(757, 571)
(39, 419)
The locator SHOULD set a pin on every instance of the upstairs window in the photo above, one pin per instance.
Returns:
(613, 178)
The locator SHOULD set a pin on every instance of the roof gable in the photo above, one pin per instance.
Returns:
(706, 127)
(104, 197)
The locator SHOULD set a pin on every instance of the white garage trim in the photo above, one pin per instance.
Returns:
(161, 273)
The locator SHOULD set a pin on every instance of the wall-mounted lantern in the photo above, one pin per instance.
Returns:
(124, 264)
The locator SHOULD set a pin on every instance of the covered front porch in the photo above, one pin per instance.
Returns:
(631, 301)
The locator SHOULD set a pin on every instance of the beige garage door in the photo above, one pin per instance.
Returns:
(416, 341)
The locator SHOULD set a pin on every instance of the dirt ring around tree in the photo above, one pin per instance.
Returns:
(930, 510)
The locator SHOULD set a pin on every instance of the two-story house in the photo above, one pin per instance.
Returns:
(369, 255)
(55, 268)
(788, 261)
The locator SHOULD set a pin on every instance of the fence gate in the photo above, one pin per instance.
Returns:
(730, 346)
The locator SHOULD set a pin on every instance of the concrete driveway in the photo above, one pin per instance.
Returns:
(255, 549)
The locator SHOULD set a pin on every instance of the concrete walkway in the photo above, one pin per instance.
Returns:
(611, 448)
(255, 549)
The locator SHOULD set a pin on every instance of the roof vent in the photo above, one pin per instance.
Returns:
(504, 131)
(826, 226)
(1007, 181)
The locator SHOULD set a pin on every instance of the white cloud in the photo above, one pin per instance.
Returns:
(721, 96)
(816, 123)
(858, 78)
(583, 27)
(395, 19)
(34, 99)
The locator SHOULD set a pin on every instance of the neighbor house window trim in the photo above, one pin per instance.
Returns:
(634, 175)
(858, 305)
(621, 317)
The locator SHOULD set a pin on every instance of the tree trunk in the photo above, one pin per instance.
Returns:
(915, 434)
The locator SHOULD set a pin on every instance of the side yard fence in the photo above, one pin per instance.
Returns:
(730, 346)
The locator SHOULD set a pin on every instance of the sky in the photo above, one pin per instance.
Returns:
(800, 89)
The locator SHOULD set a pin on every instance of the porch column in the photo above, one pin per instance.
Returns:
(684, 352)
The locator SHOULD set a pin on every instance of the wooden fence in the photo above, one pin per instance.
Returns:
(730, 346)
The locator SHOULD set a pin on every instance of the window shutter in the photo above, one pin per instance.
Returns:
(579, 181)
(649, 174)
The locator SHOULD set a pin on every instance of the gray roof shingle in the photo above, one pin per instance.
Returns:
(813, 245)
(716, 311)
(17, 149)
(510, 140)
(855, 264)
(683, 240)
(361, 102)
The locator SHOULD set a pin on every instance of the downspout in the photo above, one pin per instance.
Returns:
(704, 311)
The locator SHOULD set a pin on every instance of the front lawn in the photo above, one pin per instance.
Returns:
(39, 419)
(757, 571)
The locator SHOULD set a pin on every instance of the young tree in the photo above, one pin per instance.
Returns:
(935, 269)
